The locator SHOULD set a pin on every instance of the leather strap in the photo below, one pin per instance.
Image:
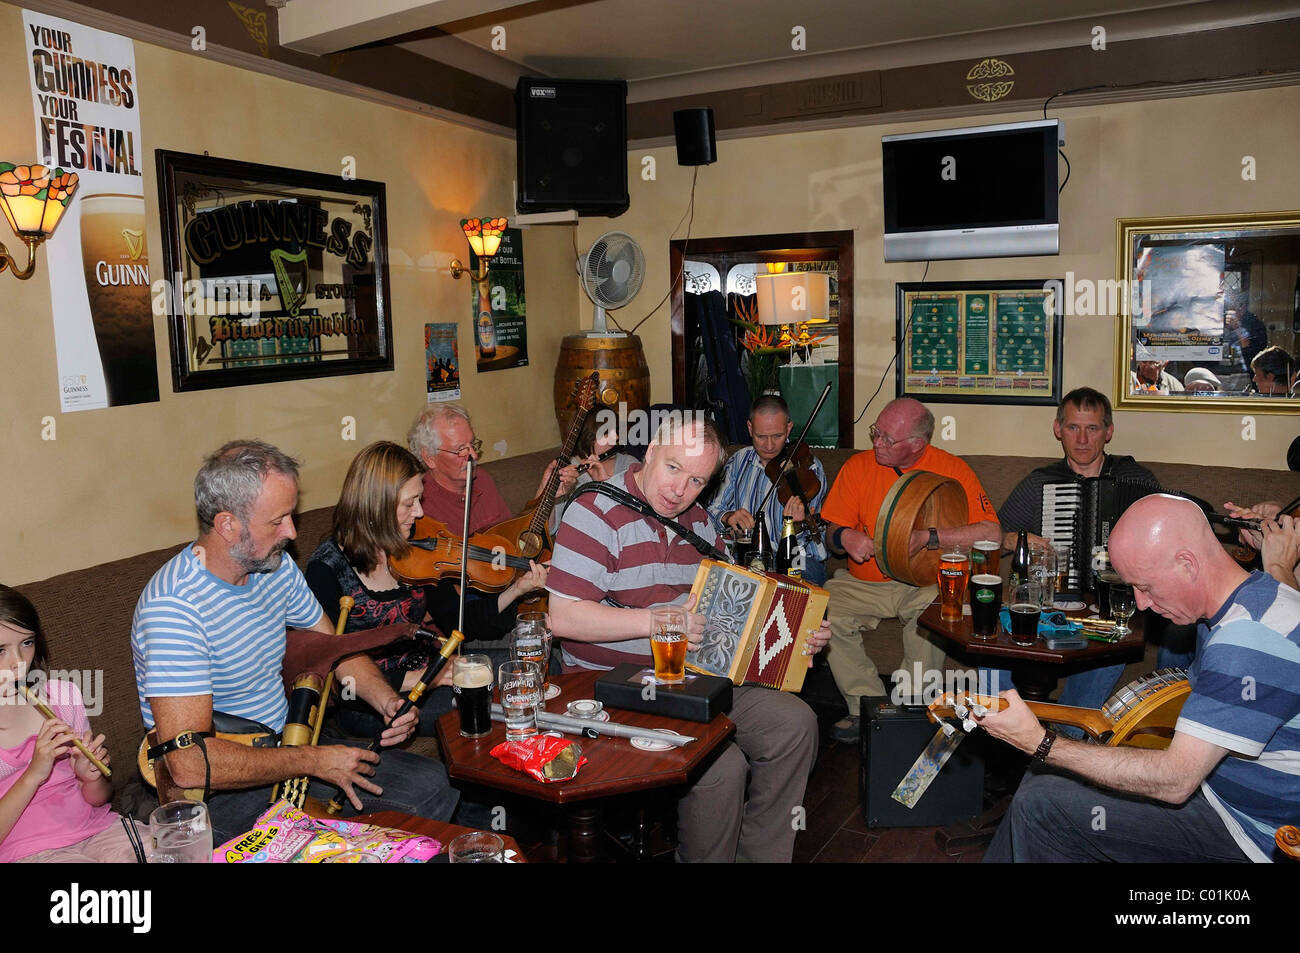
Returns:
(645, 509)
(1044, 746)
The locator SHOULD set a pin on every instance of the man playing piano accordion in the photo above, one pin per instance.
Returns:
(610, 566)
(1046, 503)
(208, 635)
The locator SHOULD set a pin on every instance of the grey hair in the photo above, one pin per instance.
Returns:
(423, 436)
(673, 422)
(231, 478)
(925, 426)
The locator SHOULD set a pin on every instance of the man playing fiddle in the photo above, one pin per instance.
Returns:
(745, 482)
(209, 635)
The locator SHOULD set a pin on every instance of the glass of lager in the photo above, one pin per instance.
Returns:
(985, 556)
(1025, 610)
(985, 605)
(668, 644)
(521, 696)
(530, 641)
(471, 683)
(954, 571)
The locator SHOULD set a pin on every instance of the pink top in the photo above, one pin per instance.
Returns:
(58, 816)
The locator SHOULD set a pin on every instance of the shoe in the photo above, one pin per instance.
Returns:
(846, 729)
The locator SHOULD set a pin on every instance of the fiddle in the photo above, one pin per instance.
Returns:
(794, 477)
(435, 555)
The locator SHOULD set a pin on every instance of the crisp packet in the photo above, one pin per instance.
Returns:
(544, 757)
(285, 834)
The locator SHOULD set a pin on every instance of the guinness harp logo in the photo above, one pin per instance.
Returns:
(134, 239)
(990, 79)
(290, 284)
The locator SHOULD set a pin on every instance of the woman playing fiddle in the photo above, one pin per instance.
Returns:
(378, 505)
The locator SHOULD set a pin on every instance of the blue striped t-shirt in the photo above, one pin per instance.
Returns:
(195, 634)
(1246, 698)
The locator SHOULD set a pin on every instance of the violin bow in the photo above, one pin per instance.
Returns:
(794, 448)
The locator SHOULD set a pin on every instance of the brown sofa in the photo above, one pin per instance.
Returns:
(87, 613)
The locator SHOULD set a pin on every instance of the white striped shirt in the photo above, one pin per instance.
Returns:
(195, 634)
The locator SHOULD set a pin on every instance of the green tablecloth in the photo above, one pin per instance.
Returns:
(801, 385)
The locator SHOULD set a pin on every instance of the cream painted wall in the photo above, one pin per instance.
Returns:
(1167, 157)
(117, 482)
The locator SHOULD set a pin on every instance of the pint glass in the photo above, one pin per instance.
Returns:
(530, 641)
(985, 605)
(1025, 610)
(521, 696)
(471, 683)
(954, 570)
(989, 552)
(668, 644)
(115, 260)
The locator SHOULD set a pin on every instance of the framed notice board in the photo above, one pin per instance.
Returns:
(985, 342)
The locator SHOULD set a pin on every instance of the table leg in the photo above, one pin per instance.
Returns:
(584, 833)
(1034, 682)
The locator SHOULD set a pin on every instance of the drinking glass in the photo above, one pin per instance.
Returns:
(180, 833)
(1122, 606)
(668, 644)
(530, 641)
(476, 847)
(521, 695)
(1024, 611)
(954, 574)
(1042, 570)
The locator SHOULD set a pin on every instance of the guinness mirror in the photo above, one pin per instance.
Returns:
(1210, 313)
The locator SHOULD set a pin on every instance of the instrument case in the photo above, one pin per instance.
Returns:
(892, 736)
(699, 698)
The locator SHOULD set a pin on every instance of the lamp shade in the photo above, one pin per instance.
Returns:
(484, 235)
(34, 198)
(793, 297)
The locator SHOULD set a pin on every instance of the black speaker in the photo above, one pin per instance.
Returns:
(892, 737)
(696, 144)
(571, 140)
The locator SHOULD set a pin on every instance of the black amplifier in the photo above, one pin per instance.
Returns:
(892, 738)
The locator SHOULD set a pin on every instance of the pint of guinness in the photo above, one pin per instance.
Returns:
(471, 683)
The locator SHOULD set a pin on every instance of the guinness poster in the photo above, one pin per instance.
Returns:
(272, 274)
(85, 94)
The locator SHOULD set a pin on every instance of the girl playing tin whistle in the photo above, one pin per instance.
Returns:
(53, 799)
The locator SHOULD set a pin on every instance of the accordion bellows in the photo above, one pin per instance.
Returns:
(757, 625)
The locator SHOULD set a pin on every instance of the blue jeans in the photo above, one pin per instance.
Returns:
(814, 570)
(411, 784)
(1058, 818)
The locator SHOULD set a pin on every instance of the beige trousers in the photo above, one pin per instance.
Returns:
(857, 607)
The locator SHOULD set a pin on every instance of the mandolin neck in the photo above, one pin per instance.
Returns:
(546, 502)
(1090, 720)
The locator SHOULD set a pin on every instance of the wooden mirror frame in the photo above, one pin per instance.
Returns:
(1226, 227)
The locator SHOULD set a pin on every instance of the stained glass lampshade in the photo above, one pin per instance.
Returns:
(34, 198)
(484, 235)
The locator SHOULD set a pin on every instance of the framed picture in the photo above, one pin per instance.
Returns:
(983, 342)
(270, 274)
(1210, 313)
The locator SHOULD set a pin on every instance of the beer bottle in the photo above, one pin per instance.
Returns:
(787, 549)
(760, 560)
(487, 334)
(1020, 560)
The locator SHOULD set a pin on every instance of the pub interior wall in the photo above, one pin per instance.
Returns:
(1170, 157)
(118, 481)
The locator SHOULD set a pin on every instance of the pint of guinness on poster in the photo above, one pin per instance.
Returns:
(85, 95)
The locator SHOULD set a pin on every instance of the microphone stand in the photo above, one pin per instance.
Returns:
(450, 647)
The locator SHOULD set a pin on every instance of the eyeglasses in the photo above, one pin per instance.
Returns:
(877, 434)
(476, 445)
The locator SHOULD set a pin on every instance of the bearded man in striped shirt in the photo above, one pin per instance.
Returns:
(610, 567)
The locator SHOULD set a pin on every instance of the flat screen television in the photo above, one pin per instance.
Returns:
(982, 192)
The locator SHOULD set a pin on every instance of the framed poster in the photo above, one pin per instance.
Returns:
(500, 307)
(271, 274)
(986, 342)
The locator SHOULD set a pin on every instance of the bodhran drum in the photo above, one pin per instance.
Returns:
(917, 500)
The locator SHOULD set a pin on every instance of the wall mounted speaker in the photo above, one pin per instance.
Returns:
(571, 141)
(696, 144)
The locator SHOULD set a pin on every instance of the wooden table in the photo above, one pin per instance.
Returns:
(1035, 668)
(613, 766)
(441, 830)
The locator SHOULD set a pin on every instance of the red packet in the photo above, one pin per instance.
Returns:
(542, 756)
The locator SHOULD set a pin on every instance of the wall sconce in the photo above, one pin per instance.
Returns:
(484, 235)
(34, 200)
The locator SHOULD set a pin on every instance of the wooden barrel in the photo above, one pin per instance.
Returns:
(917, 500)
(620, 363)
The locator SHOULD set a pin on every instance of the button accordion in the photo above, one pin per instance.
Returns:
(757, 625)
(1082, 512)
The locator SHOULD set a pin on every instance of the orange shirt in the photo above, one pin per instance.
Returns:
(861, 485)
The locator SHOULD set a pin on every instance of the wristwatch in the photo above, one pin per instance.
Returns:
(934, 539)
(1045, 745)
